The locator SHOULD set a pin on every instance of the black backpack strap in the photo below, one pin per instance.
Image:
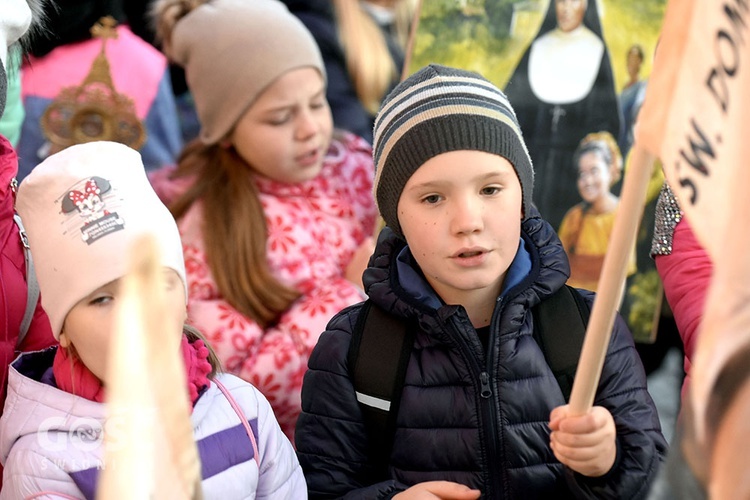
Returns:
(378, 356)
(381, 347)
(559, 328)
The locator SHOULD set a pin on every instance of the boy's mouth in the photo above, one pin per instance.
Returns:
(466, 253)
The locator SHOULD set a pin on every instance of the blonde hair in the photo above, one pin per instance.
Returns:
(368, 60)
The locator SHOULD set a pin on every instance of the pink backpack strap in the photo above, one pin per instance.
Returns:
(50, 494)
(243, 419)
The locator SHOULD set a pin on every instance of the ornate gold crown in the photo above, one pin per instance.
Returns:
(94, 110)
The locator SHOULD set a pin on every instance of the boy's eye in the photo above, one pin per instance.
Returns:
(490, 190)
(431, 199)
(317, 104)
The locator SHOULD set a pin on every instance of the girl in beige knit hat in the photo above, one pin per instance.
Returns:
(273, 207)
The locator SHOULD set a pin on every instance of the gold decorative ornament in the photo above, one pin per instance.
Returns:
(94, 110)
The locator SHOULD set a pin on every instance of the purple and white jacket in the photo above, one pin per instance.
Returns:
(51, 440)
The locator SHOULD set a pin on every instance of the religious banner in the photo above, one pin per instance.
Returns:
(695, 119)
(576, 72)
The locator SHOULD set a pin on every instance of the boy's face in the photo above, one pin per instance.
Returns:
(460, 213)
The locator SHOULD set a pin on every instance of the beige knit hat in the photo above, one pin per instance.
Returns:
(83, 208)
(232, 50)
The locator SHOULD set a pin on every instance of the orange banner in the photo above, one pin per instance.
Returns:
(695, 118)
(695, 113)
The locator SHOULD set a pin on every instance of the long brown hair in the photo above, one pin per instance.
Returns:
(234, 230)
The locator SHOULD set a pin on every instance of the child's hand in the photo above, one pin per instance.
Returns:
(438, 490)
(585, 443)
(358, 263)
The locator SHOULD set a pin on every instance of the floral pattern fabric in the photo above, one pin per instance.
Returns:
(313, 230)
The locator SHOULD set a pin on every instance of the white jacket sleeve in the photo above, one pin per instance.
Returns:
(28, 474)
(280, 475)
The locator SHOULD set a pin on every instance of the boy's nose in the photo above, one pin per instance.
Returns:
(468, 216)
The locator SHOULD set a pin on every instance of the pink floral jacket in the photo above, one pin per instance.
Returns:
(313, 229)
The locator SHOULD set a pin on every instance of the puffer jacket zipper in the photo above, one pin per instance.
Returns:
(488, 406)
(495, 469)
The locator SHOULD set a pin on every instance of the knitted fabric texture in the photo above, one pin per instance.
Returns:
(232, 50)
(437, 110)
(83, 209)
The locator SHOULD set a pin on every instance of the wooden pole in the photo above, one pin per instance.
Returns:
(412, 40)
(611, 281)
(150, 450)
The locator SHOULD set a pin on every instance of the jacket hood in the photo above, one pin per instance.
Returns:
(390, 281)
(34, 405)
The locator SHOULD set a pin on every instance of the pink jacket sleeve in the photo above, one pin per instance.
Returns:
(686, 274)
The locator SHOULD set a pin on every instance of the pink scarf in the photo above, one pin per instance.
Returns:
(72, 376)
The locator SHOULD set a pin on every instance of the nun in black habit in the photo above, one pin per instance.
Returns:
(562, 89)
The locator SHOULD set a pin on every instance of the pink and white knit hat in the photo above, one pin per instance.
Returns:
(83, 208)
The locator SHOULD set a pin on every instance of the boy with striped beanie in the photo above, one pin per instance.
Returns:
(446, 382)
(437, 110)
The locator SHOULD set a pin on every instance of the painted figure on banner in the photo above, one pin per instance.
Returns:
(587, 227)
(631, 96)
(563, 88)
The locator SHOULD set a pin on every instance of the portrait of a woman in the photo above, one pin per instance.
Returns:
(562, 89)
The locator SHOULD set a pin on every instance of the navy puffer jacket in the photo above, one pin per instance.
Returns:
(445, 429)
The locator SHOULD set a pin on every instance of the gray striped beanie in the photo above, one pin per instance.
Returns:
(437, 110)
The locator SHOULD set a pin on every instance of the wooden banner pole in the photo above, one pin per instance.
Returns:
(611, 281)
